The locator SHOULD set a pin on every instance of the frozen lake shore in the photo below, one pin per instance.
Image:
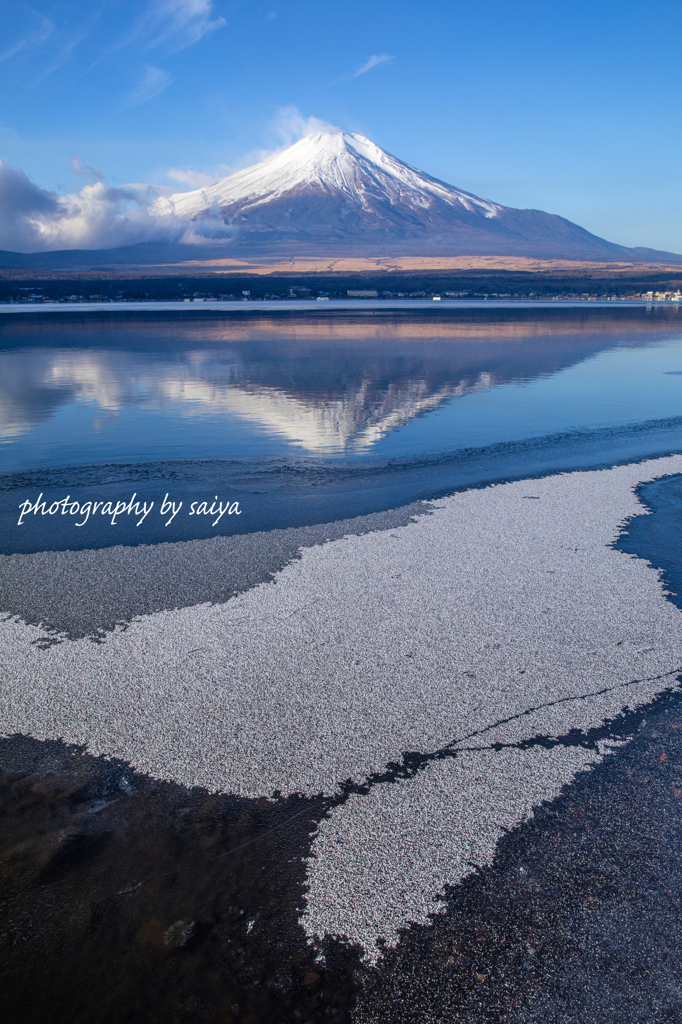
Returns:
(435, 680)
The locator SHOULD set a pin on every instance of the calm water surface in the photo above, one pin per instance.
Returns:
(315, 415)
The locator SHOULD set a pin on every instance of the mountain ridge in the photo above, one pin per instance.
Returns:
(339, 188)
(335, 195)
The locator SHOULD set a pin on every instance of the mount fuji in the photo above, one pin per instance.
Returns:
(335, 192)
(332, 196)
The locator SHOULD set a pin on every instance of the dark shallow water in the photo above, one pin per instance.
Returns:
(309, 417)
(658, 537)
(125, 899)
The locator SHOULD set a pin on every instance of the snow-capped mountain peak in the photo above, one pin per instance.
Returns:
(338, 162)
(336, 193)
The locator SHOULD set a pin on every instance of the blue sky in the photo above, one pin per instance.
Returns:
(567, 107)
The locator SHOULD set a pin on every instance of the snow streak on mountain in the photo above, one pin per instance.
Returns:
(335, 191)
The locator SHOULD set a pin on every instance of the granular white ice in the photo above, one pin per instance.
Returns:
(504, 615)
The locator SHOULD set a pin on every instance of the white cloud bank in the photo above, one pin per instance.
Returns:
(98, 216)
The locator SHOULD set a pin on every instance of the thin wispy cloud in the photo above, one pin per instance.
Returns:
(42, 46)
(47, 44)
(87, 171)
(153, 83)
(373, 62)
(289, 125)
(63, 55)
(194, 179)
(169, 25)
(29, 40)
(175, 24)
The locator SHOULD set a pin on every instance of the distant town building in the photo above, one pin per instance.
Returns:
(362, 293)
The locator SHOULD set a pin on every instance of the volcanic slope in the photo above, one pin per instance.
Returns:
(335, 191)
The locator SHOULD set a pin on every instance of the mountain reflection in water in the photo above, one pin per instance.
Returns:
(321, 384)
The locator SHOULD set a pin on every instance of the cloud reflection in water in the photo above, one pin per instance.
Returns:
(323, 385)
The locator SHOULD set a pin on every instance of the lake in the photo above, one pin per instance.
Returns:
(309, 415)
